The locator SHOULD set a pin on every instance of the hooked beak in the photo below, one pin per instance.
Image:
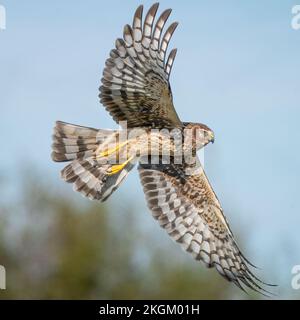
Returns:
(212, 137)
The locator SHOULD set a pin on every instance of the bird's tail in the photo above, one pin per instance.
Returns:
(90, 171)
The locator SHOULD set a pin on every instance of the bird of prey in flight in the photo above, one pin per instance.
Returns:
(136, 92)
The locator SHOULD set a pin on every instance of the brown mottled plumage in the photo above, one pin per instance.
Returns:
(136, 89)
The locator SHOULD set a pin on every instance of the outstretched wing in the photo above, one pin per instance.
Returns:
(188, 209)
(135, 84)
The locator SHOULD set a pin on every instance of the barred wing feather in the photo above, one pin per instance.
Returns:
(188, 209)
(135, 84)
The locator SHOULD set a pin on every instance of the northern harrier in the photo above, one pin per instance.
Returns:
(136, 92)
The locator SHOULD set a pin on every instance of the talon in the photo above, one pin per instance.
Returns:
(108, 152)
(118, 167)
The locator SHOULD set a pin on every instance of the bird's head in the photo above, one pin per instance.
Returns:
(200, 133)
(208, 134)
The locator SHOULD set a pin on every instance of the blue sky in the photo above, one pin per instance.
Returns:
(237, 70)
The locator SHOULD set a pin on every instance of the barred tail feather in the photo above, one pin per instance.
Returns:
(72, 142)
(92, 179)
(89, 175)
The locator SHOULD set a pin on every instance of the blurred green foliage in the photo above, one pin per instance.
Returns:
(53, 248)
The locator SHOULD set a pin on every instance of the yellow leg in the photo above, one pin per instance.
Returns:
(118, 167)
(113, 150)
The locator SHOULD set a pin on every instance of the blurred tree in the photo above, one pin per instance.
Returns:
(53, 248)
